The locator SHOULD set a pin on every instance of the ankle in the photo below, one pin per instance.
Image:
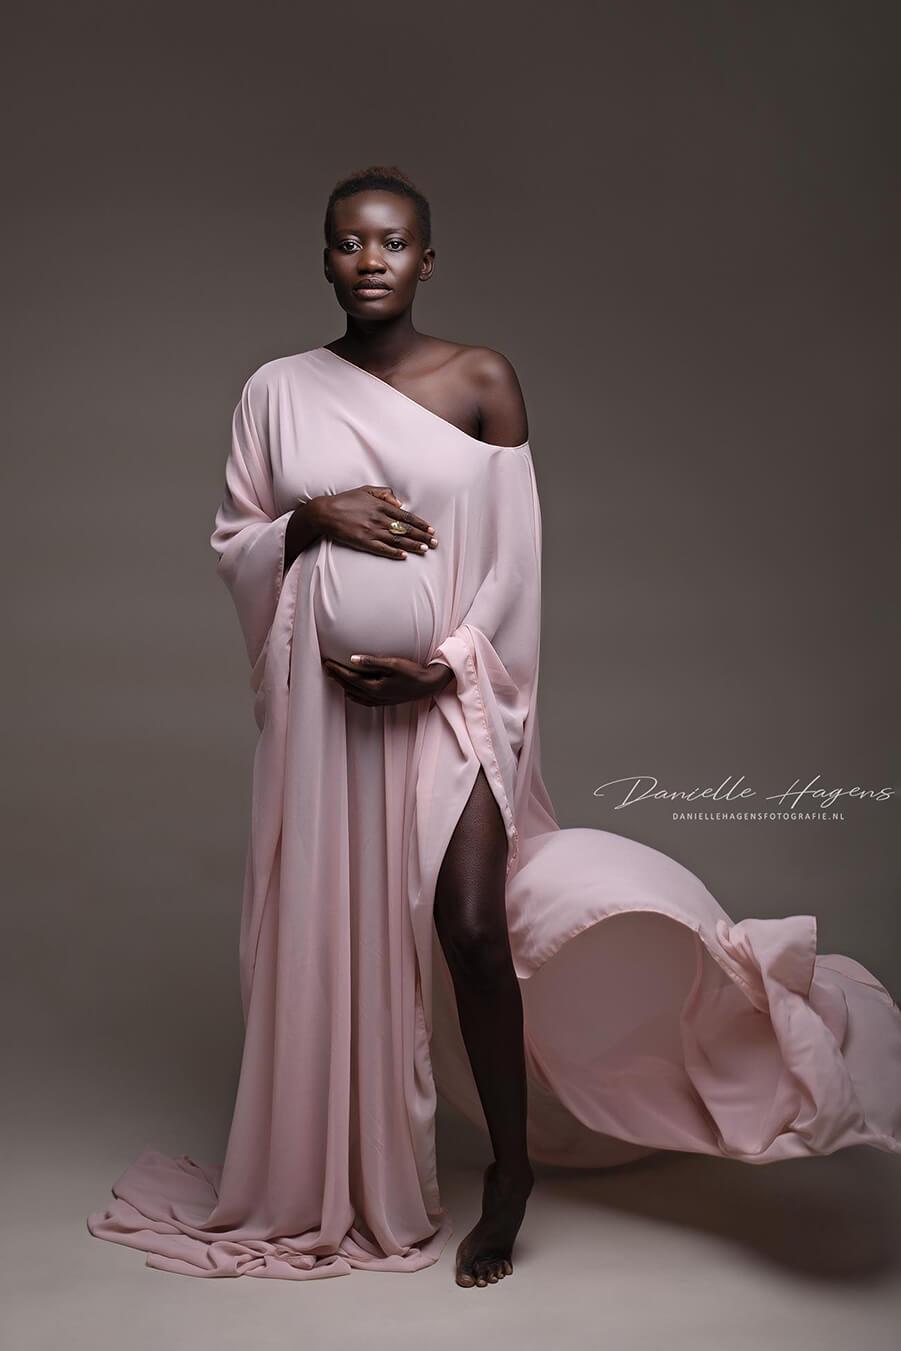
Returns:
(513, 1177)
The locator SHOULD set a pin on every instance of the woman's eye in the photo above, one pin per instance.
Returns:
(351, 245)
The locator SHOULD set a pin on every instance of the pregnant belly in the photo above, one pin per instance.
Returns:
(375, 605)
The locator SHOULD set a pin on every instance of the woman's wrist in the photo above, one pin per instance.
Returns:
(304, 528)
(444, 677)
(314, 512)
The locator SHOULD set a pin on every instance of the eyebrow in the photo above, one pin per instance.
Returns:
(388, 230)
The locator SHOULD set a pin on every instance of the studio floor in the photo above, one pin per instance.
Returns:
(674, 1251)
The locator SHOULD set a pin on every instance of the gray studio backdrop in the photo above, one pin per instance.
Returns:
(679, 222)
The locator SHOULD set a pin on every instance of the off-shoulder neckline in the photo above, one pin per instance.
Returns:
(489, 445)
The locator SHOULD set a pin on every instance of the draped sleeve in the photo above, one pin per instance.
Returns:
(494, 648)
(249, 535)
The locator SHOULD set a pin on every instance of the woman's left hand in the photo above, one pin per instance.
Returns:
(377, 681)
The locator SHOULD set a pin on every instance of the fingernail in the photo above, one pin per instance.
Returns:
(431, 530)
(424, 548)
(433, 542)
(355, 657)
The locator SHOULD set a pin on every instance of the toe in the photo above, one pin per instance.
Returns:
(464, 1275)
(485, 1271)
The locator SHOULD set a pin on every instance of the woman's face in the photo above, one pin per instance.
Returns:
(375, 258)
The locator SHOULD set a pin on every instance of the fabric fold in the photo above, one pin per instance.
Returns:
(249, 533)
(494, 651)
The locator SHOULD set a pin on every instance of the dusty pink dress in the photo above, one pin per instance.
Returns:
(667, 1026)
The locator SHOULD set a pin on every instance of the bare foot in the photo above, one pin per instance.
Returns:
(484, 1255)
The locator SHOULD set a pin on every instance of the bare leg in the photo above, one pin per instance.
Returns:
(471, 920)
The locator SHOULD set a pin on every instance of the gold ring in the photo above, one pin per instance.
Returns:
(399, 528)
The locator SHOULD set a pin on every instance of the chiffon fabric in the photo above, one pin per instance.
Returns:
(652, 1020)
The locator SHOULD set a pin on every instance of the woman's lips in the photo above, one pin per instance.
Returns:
(372, 292)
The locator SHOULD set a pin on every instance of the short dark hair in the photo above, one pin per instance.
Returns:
(384, 178)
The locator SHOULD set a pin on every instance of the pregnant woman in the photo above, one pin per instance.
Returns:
(414, 918)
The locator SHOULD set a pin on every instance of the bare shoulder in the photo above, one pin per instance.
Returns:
(502, 408)
(497, 394)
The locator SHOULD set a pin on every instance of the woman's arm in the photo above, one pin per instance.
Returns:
(304, 528)
(502, 410)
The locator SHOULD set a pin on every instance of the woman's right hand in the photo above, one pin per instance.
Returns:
(359, 519)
